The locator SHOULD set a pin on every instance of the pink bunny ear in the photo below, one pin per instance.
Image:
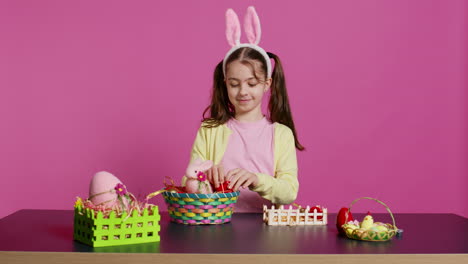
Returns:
(252, 26)
(197, 161)
(233, 30)
(205, 165)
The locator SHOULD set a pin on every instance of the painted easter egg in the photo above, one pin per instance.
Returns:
(100, 188)
(344, 216)
(381, 228)
(223, 188)
(319, 210)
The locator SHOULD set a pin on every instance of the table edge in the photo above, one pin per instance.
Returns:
(14, 257)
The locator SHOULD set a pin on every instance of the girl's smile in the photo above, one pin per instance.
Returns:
(244, 101)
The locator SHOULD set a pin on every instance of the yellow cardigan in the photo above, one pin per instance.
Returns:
(211, 143)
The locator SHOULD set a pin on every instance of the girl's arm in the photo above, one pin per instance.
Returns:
(198, 149)
(283, 187)
(199, 145)
(203, 149)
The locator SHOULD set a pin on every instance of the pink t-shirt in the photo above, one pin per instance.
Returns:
(250, 147)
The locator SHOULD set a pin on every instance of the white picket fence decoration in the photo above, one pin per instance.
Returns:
(293, 216)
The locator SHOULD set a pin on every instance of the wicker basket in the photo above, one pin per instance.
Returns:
(199, 209)
(371, 235)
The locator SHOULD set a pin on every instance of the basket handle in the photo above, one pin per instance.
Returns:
(380, 202)
(151, 195)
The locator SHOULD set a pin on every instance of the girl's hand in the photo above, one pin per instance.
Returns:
(241, 178)
(216, 175)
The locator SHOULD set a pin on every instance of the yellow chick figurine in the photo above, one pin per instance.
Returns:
(367, 222)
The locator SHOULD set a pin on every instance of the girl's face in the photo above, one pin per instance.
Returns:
(245, 91)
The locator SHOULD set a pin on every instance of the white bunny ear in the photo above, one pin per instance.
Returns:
(252, 26)
(233, 29)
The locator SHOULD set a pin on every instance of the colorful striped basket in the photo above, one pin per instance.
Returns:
(199, 209)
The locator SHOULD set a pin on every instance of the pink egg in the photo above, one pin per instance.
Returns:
(100, 188)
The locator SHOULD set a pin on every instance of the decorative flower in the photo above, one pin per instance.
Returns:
(201, 176)
(79, 202)
(120, 189)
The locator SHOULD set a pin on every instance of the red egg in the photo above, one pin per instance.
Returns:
(344, 216)
(319, 210)
(223, 188)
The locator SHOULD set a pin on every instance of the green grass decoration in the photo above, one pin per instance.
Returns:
(92, 229)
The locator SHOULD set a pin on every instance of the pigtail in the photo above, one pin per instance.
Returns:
(220, 109)
(278, 105)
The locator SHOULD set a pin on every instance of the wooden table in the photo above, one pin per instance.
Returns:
(46, 236)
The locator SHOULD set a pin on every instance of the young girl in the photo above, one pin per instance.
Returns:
(255, 153)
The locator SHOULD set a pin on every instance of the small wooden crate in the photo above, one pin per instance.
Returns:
(293, 216)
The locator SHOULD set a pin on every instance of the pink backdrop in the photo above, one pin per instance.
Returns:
(377, 88)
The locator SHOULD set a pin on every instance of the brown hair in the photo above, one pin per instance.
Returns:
(221, 109)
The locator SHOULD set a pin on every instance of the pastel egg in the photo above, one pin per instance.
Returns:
(101, 186)
(349, 231)
(382, 228)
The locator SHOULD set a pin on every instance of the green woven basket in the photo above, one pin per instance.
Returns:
(199, 209)
(93, 229)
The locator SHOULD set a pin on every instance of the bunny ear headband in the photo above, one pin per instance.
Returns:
(252, 30)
